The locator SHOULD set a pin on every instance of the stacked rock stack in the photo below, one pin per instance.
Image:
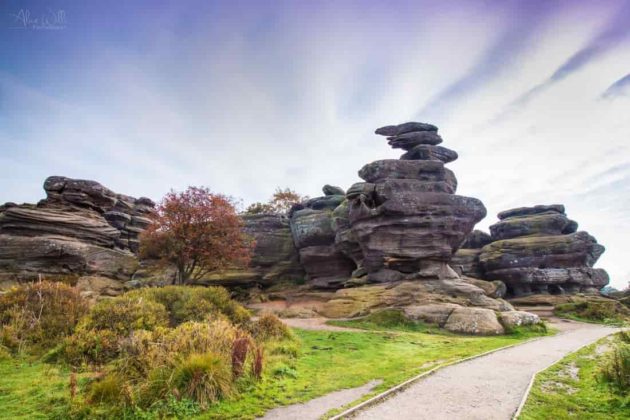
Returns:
(538, 250)
(406, 217)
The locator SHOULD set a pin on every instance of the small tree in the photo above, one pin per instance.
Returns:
(279, 203)
(198, 232)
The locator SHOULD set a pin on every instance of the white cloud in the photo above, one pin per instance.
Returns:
(243, 107)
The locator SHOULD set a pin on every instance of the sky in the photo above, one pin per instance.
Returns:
(246, 96)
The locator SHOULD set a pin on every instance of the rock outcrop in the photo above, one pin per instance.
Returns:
(80, 228)
(538, 250)
(274, 259)
(466, 260)
(325, 264)
(405, 216)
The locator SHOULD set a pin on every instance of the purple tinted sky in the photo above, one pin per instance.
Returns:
(244, 96)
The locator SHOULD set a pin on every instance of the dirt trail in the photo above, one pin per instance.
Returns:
(490, 387)
(315, 324)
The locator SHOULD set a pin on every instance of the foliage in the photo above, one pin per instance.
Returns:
(557, 394)
(240, 347)
(312, 363)
(193, 303)
(609, 312)
(280, 202)
(111, 389)
(198, 232)
(112, 324)
(616, 369)
(205, 378)
(39, 314)
(189, 360)
(269, 326)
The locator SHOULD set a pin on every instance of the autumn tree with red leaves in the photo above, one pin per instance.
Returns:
(198, 232)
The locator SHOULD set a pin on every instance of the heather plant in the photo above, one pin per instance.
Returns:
(38, 315)
(205, 378)
(616, 369)
(116, 326)
(194, 303)
(269, 326)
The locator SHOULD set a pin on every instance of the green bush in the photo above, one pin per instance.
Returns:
(269, 326)
(111, 389)
(39, 314)
(205, 378)
(616, 369)
(124, 314)
(116, 324)
(186, 303)
(90, 346)
(608, 312)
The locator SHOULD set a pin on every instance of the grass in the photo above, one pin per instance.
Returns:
(575, 389)
(610, 312)
(33, 389)
(318, 363)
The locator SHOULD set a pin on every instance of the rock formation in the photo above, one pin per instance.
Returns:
(325, 264)
(401, 228)
(466, 260)
(274, 258)
(80, 228)
(538, 250)
(405, 216)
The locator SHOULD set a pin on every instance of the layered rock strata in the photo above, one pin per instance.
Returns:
(465, 261)
(80, 228)
(326, 266)
(405, 217)
(539, 250)
(274, 259)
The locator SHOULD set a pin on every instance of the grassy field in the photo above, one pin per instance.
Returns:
(575, 389)
(318, 363)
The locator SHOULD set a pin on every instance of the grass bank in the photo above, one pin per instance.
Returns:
(317, 363)
(577, 388)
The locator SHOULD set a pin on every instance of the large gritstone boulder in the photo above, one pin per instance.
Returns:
(325, 264)
(406, 218)
(80, 228)
(537, 250)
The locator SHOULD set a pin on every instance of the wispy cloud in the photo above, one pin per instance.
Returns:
(620, 88)
(247, 96)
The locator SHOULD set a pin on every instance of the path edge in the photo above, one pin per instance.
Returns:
(535, 374)
(397, 388)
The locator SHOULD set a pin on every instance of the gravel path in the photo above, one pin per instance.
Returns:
(316, 408)
(490, 387)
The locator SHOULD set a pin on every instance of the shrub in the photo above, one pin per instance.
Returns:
(616, 369)
(205, 378)
(118, 324)
(609, 311)
(111, 389)
(269, 326)
(39, 314)
(90, 346)
(124, 314)
(194, 303)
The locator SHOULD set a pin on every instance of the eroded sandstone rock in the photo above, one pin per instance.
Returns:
(537, 250)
